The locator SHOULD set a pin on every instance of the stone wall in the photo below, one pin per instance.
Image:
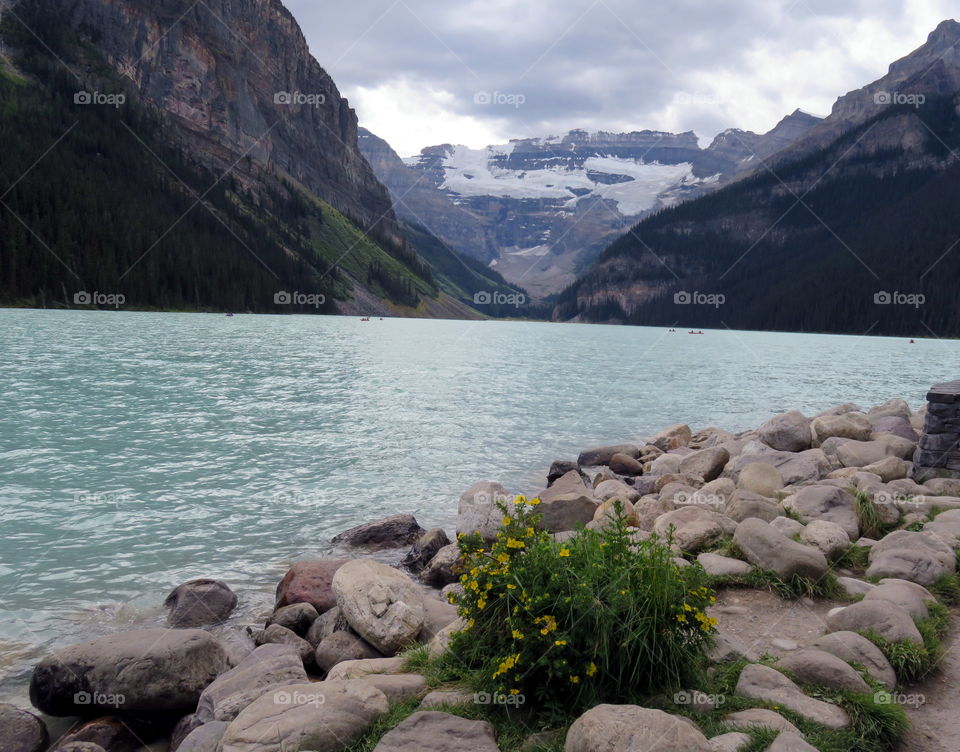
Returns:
(938, 454)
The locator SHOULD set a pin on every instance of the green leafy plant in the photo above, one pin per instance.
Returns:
(604, 616)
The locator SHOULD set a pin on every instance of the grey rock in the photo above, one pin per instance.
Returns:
(22, 731)
(612, 488)
(746, 504)
(920, 557)
(717, 565)
(603, 455)
(672, 437)
(622, 728)
(205, 738)
(343, 646)
(851, 425)
(787, 741)
(707, 463)
(691, 527)
(909, 596)
(827, 503)
(813, 666)
(425, 549)
(437, 614)
(325, 625)
(566, 511)
(381, 604)
(884, 618)
(277, 635)
(320, 717)
(390, 532)
(760, 718)
(854, 586)
(571, 483)
(788, 432)
(761, 682)
(760, 478)
(297, 617)
(731, 742)
(151, 669)
(443, 567)
(267, 667)
(434, 731)
(560, 468)
(198, 603)
(366, 666)
(478, 511)
(793, 467)
(789, 527)
(855, 648)
(827, 536)
(767, 548)
(396, 687)
(624, 464)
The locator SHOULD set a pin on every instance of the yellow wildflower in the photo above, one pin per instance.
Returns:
(591, 669)
(574, 679)
(564, 552)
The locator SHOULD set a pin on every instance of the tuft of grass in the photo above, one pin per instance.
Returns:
(855, 558)
(792, 514)
(787, 588)
(871, 525)
(910, 661)
(947, 589)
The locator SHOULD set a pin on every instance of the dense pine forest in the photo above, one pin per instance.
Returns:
(95, 197)
(846, 239)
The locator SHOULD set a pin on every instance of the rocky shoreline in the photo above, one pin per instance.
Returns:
(832, 500)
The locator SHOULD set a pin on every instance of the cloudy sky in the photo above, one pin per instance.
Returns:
(476, 72)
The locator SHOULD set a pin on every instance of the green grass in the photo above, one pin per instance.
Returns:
(794, 586)
(871, 524)
(947, 589)
(855, 558)
(910, 661)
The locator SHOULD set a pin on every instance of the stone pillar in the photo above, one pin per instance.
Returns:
(938, 454)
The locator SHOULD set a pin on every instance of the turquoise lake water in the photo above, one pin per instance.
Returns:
(139, 450)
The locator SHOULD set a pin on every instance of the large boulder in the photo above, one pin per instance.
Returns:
(443, 567)
(297, 617)
(567, 511)
(382, 604)
(745, 504)
(571, 483)
(717, 565)
(434, 731)
(320, 717)
(21, 731)
(603, 455)
(760, 478)
(921, 557)
(631, 728)
(850, 425)
(897, 407)
(794, 468)
(672, 437)
(863, 453)
(813, 666)
(768, 685)
(343, 646)
(909, 596)
(205, 738)
(827, 503)
(649, 509)
(759, 718)
(153, 670)
(787, 432)
(886, 619)
(478, 511)
(787, 741)
(199, 602)
(309, 582)
(855, 648)
(624, 464)
(828, 536)
(894, 425)
(390, 532)
(425, 548)
(889, 468)
(691, 527)
(707, 463)
(767, 548)
(946, 526)
(326, 624)
(610, 488)
(267, 667)
(277, 635)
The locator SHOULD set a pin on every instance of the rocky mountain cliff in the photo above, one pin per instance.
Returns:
(239, 79)
(853, 229)
(201, 160)
(540, 210)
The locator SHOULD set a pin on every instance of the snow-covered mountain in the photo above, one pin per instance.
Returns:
(540, 210)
